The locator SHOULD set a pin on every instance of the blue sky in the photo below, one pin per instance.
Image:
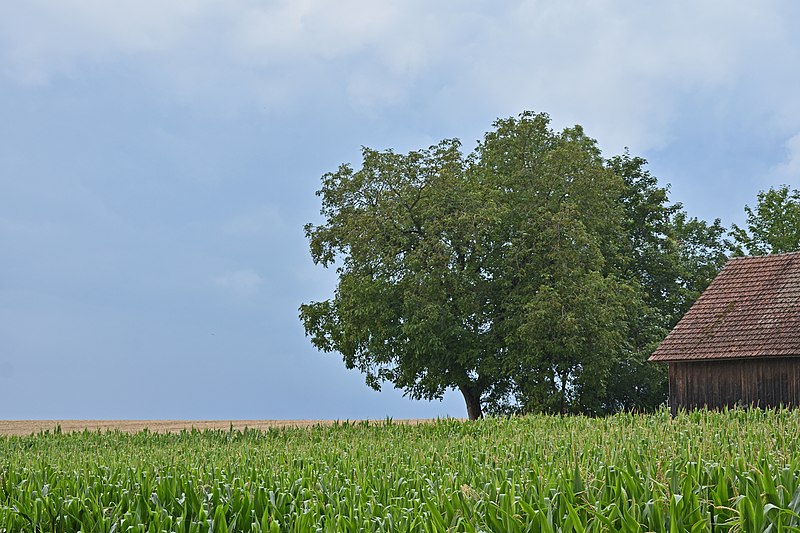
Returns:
(158, 161)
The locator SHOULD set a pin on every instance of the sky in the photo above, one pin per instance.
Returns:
(158, 161)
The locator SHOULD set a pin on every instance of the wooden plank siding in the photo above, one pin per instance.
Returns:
(760, 381)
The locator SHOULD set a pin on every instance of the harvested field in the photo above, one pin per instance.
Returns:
(28, 427)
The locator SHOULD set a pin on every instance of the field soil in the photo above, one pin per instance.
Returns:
(27, 427)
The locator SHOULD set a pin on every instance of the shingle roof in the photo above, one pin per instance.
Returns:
(751, 309)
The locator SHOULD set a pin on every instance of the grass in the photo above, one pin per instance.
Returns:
(701, 471)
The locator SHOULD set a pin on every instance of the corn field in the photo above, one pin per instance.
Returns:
(701, 471)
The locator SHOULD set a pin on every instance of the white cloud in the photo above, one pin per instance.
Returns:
(300, 29)
(46, 38)
(241, 283)
(623, 67)
(789, 170)
(620, 68)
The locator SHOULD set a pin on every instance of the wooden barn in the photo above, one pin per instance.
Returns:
(739, 344)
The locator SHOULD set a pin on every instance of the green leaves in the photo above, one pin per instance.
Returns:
(531, 274)
(668, 258)
(720, 471)
(773, 227)
(411, 304)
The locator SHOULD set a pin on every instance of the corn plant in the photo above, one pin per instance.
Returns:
(735, 471)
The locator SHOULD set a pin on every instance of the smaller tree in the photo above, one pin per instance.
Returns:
(672, 257)
(773, 227)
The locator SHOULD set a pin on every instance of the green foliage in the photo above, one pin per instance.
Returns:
(531, 275)
(773, 227)
(672, 258)
(701, 471)
(409, 307)
(561, 310)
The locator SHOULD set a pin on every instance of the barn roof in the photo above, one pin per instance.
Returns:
(751, 309)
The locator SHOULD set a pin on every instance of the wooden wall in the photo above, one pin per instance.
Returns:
(762, 381)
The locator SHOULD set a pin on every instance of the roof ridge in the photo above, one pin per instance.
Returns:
(762, 256)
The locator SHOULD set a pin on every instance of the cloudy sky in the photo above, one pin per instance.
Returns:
(159, 159)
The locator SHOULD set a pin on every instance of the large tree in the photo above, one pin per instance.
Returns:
(561, 309)
(414, 301)
(773, 227)
(530, 275)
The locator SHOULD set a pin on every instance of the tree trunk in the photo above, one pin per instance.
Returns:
(473, 402)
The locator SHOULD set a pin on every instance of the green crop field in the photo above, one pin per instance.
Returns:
(734, 471)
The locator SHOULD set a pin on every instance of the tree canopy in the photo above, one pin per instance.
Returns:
(531, 274)
(773, 227)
